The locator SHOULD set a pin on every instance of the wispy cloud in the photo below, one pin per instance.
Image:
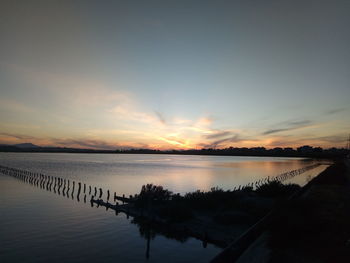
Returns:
(204, 122)
(272, 131)
(17, 136)
(335, 139)
(175, 141)
(160, 117)
(298, 123)
(84, 143)
(223, 142)
(127, 112)
(218, 134)
(334, 111)
(289, 126)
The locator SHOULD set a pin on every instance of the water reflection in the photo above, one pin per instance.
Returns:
(127, 173)
(105, 178)
(147, 230)
(45, 182)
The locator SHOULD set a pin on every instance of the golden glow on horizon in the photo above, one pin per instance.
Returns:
(88, 114)
(157, 142)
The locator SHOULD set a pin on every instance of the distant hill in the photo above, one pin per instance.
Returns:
(30, 147)
(26, 146)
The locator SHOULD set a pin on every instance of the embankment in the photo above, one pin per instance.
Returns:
(313, 226)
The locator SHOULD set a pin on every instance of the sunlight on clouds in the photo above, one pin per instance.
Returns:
(204, 121)
(173, 142)
(127, 113)
(87, 113)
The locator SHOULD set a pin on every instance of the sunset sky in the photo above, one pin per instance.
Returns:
(175, 74)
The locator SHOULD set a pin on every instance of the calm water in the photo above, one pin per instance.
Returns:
(40, 226)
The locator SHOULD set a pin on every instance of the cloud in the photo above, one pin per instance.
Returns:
(181, 121)
(299, 123)
(221, 142)
(17, 136)
(288, 126)
(204, 121)
(127, 112)
(334, 111)
(94, 144)
(218, 134)
(160, 117)
(78, 106)
(332, 139)
(276, 131)
(175, 141)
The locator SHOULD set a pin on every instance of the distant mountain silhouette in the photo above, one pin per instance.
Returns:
(26, 145)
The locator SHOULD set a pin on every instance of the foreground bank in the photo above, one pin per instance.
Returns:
(313, 226)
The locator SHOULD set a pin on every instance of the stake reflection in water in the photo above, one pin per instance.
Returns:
(45, 182)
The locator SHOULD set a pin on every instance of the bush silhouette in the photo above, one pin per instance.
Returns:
(276, 189)
(153, 193)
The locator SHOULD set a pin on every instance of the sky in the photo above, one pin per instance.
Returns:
(175, 74)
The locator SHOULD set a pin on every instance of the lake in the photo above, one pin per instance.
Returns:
(39, 226)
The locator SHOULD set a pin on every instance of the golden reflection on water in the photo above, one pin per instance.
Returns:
(125, 174)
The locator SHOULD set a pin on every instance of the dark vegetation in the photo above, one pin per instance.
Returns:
(225, 207)
(333, 175)
(315, 227)
(304, 151)
(276, 189)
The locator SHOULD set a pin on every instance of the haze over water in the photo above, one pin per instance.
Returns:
(40, 226)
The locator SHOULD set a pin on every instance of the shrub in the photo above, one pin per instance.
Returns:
(276, 189)
(153, 193)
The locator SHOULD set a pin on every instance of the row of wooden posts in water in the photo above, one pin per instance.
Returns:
(68, 187)
(60, 185)
(279, 178)
(64, 186)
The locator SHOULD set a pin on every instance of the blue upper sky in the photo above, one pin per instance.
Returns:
(175, 74)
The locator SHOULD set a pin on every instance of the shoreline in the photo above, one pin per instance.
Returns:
(309, 227)
(300, 152)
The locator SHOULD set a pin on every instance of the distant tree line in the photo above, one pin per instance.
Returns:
(303, 151)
